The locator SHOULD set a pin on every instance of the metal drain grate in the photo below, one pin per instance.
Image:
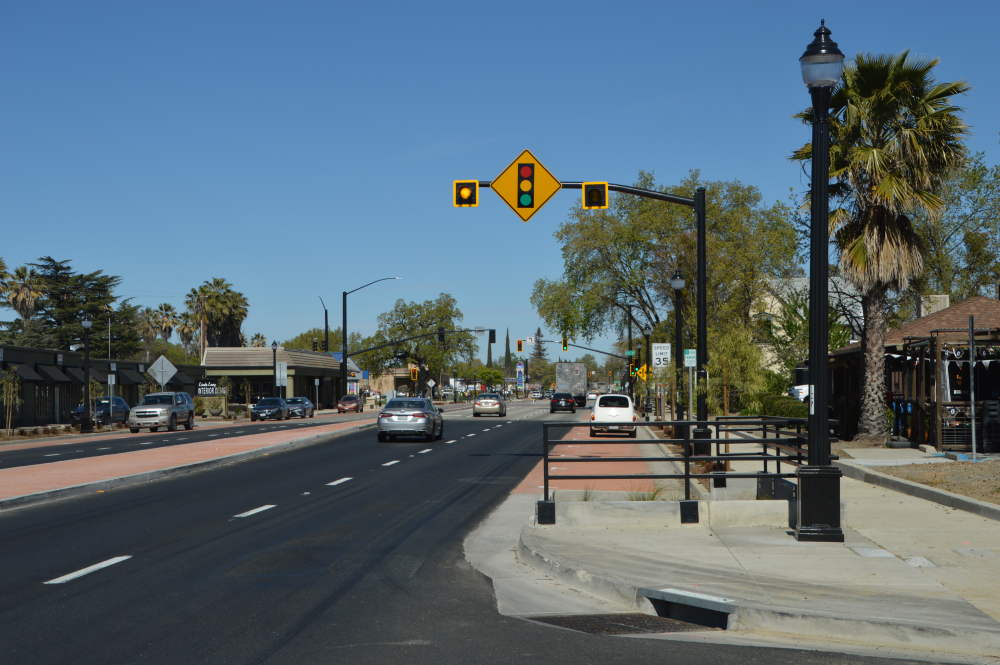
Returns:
(633, 623)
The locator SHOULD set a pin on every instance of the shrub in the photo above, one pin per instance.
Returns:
(783, 406)
(199, 406)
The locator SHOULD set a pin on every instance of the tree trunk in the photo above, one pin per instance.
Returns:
(873, 423)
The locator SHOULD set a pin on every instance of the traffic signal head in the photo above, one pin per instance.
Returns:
(315, 345)
(413, 374)
(326, 346)
(493, 336)
(565, 346)
(595, 195)
(440, 334)
(526, 185)
(520, 345)
(631, 369)
(466, 193)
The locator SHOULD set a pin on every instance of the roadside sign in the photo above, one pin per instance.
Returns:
(641, 372)
(111, 379)
(630, 352)
(281, 374)
(519, 366)
(531, 340)
(690, 357)
(207, 388)
(431, 383)
(315, 382)
(162, 370)
(525, 185)
(661, 355)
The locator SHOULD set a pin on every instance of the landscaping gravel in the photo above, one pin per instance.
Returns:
(976, 480)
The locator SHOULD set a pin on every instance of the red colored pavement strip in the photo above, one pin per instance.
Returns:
(24, 480)
(577, 443)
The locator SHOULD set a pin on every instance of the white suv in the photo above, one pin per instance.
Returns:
(158, 410)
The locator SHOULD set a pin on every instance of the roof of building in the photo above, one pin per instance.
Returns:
(985, 310)
(235, 356)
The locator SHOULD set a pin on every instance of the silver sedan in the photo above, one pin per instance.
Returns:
(410, 416)
(489, 403)
(301, 407)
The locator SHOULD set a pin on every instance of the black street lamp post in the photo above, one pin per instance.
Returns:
(819, 482)
(702, 432)
(646, 332)
(86, 424)
(343, 349)
(274, 354)
(677, 283)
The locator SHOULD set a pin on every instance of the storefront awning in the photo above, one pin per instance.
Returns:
(102, 377)
(75, 374)
(26, 373)
(129, 377)
(52, 374)
(180, 379)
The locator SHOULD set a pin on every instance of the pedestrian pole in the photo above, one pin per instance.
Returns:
(690, 394)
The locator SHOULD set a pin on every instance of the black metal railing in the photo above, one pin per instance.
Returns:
(793, 453)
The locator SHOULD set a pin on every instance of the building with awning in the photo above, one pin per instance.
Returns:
(311, 374)
(52, 381)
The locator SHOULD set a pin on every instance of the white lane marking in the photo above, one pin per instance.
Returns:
(498, 426)
(452, 441)
(241, 431)
(54, 455)
(487, 429)
(425, 451)
(254, 511)
(395, 461)
(184, 439)
(88, 569)
(146, 443)
(108, 448)
(304, 494)
(470, 435)
(213, 435)
(342, 480)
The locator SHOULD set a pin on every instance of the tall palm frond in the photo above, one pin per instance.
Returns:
(185, 330)
(258, 341)
(23, 290)
(166, 315)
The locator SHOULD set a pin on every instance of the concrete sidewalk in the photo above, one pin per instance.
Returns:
(25, 485)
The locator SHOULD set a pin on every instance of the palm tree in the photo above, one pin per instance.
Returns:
(894, 136)
(258, 341)
(165, 317)
(149, 329)
(224, 311)
(23, 290)
(185, 331)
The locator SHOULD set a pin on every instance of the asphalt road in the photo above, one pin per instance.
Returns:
(125, 442)
(268, 561)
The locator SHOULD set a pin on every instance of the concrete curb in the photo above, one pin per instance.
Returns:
(761, 619)
(125, 481)
(944, 497)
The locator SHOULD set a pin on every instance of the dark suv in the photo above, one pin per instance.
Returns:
(562, 402)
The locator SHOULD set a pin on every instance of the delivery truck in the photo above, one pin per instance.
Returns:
(572, 378)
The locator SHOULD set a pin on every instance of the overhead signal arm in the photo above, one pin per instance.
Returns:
(585, 348)
(625, 189)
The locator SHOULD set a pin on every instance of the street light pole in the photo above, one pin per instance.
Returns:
(274, 354)
(646, 332)
(819, 482)
(86, 425)
(343, 347)
(702, 432)
(677, 283)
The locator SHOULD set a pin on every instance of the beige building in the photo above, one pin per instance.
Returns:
(311, 374)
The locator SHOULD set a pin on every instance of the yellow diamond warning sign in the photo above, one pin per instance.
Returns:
(525, 185)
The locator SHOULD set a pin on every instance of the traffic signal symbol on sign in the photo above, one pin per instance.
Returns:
(595, 195)
(466, 193)
(520, 345)
(525, 185)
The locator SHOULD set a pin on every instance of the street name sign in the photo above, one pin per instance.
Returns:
(162, 370)
(690, 357)
(661, 355)
(630, 352)
(525, 185)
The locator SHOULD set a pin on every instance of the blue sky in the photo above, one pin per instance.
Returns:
(307, 148)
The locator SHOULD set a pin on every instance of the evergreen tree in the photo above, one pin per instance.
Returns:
(508, 365)
(67, 294)
(489, 355)
(538, 352)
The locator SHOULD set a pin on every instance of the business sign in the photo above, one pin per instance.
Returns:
(209, 388)
(519, 366)
(661, 355)
(690, 357)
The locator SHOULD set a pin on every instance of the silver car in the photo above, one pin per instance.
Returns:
(410, 416)
(489, 403)
(300, 406)
(158, 410)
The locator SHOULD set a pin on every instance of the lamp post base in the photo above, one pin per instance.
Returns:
(818, 505)
(702, 447)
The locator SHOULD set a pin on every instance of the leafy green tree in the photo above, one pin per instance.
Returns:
(304, 340)
(617, 262)
(67, 294)
(961, 242)
(411, 319)
(126, 335)
(788, 337)
(895, 136)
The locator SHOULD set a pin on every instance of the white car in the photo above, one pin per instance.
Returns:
(613, 409)
(799, 393)
(536, 395)
(591, 395)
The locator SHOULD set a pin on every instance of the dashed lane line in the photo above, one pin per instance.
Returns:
(452, 441)
(424, 451)
(337, 482)
(254, 511)
(89, 569)
(54, 455)
(395, 461)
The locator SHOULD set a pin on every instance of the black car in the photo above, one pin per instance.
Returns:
(106, 410)
(270, 407)
(301, 407)
(562, 402)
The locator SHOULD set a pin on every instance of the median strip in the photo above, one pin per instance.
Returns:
(88, 569)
